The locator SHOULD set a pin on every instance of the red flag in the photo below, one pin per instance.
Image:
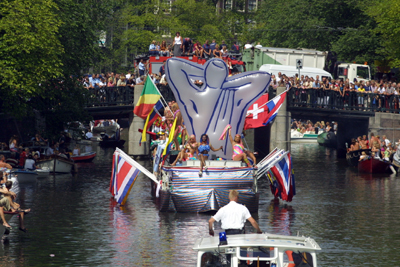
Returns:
(257, 114)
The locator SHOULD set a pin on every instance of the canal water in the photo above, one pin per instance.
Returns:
(354, 218)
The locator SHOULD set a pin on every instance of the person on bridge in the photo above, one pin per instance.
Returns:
(233, 217)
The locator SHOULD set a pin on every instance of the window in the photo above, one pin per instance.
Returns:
(363, 72)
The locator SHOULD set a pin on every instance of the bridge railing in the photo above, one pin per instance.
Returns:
(121, 95)
(110, 96)
(349, 100)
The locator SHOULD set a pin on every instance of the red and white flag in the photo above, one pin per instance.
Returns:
(257, 114)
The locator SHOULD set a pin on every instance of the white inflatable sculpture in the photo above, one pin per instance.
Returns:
(220, 101)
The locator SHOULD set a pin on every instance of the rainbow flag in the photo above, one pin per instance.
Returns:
(151, 118)
(149, 97)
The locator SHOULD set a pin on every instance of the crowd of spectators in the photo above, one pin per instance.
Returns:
(186, 46)
(378, 96)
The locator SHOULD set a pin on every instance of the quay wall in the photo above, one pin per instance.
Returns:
(385, 124)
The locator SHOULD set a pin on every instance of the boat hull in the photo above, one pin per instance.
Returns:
(84, 157)
(373, 166)
(353, 157)
(57, 165)
(24, 176)
(188, 192)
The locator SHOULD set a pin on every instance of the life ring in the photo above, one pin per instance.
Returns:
(290, 258)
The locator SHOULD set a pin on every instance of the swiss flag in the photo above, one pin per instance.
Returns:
(257, 114)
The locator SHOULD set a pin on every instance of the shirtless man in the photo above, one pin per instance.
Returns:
(189, 151)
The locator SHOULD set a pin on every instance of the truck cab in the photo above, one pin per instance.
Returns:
(353, 71)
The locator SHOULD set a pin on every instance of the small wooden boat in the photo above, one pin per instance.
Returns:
(84, 157)
(257, 250)
(327, 140)
(44, 172)
(374, 165)
(307, 137)
(56, 164)
(353, 157)
(24, 176)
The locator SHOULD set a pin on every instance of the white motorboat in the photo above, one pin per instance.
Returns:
(24, 176)
(307, 137)
(43, 172)
(257, 250)
(56, 164)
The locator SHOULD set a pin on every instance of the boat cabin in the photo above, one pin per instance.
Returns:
(257, 250)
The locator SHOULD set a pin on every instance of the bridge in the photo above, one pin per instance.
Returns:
(117, 102)
(354, 119)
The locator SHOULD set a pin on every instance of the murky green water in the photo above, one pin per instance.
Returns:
(73, 222)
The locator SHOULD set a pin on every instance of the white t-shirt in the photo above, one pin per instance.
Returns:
(232, 216)
(29, 164)
(49, 151)
(89, 135)
(247, 46)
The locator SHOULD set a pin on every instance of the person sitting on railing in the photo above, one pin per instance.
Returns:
(187, 46)
(207, 50)
(217, 52)
(153, 49)
(164, 49)
(198, 49)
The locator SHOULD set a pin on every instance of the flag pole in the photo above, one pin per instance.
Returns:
(165, 102)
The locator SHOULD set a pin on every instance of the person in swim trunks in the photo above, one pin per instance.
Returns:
(204, 148)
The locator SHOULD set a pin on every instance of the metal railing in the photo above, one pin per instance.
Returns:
(349, 100)
(120, 96)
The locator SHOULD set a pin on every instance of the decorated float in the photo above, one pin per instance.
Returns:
(207, 109)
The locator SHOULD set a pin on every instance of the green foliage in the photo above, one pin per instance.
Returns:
(29, 49)
(386, 14)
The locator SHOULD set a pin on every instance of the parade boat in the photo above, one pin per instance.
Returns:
(353, 157)
(374, 165)
(256, 250)
(84, 157)
(183, 190)
(56, 164)
(216, 108)
(24, 176)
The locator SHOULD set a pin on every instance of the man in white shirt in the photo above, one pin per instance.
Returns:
(89, 134)
(233, 217)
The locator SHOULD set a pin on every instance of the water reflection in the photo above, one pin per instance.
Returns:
(352, 216)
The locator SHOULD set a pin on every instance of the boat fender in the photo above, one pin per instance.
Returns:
(289, 254)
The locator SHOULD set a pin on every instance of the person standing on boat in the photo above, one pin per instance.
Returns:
(233, 217)
(204, 148)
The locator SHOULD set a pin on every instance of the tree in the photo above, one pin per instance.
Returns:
(386, 15)
(29, 50)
